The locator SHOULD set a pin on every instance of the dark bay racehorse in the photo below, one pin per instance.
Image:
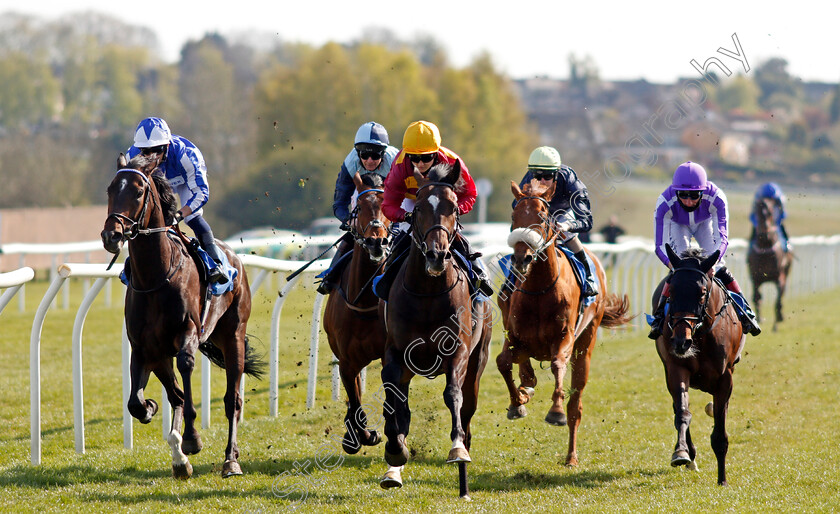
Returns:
(432, 327)
(542, 316)
(163, 308)
(700, 344)
(351, 320)
(766, 257)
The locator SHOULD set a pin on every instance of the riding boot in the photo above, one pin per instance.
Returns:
(481, 283)
(659, 313)
(216, 274)
(329, 280)
(590, 287)
(745, 314)
(508, 286)
(399, 246)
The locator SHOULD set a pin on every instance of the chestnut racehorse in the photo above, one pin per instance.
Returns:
(700, 344)
(543, 317)
(433, 327)
(767, 258)
(163, 311)
(351, 319)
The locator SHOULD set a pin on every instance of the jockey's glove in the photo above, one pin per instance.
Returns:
(345, 225)
(179, 217)
(564, 226)
(409, 216)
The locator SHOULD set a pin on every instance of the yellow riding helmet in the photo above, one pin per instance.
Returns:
(421, 137)
(544, 158)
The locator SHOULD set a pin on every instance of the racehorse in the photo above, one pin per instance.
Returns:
(543, 317)
(163, 311)
(700, 344)
(766, 257)
(434, 326)
(351, 319)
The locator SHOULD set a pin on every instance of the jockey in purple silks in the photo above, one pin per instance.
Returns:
(693, 206)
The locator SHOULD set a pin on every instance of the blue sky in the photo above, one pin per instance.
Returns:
(655, 40)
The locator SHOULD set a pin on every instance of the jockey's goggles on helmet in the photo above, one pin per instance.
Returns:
(153, 150)
(689, 195)
(543, 175)
(370, 154)
(425, 157)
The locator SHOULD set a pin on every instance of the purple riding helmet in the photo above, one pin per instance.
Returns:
(689, 176)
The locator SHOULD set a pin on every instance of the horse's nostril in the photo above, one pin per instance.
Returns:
(527, 260)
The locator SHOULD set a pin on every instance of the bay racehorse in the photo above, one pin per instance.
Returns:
(164, 303)
(543, 317)
(434, 327)
(700, 344)
(767, 257)
(351, 319)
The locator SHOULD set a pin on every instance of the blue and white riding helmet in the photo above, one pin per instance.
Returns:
(371, 133)
(152, 132)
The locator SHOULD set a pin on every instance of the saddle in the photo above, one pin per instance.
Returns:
(382, 283)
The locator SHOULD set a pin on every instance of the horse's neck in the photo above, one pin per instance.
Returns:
(418, 281)
(766, 237)
(360, 272)
(152, 254)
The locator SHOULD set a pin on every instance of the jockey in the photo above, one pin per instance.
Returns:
(569, 207)
(422, 150)
(694, 206)
(371, 153)
(183, 166)
(772, 191)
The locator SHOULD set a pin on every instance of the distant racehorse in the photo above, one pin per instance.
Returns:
(164, 303)
(543, 317)
(351, 319)
(700, 344)
(767, 259)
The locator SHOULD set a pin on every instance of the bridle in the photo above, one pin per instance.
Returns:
(135, 226)
(359, 235)
(450, 235)
(545, 224)
(696, 322)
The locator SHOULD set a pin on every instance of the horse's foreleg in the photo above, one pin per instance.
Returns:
(138, 405)
(395, 409)
(757, 298)
(527, 377)
(504, 362)
(556, 415)
(453, 397)
(678, 387)
(191, 443)
(780, 291)
(720, 440)
(181, 467)
(355, 421)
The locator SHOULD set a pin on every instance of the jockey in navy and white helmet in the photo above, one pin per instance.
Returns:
(182, 163)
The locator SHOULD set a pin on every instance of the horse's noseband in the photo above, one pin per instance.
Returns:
(359, 235)
(694, 322)
(450, 235)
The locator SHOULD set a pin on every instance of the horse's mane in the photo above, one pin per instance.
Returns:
(372, 180)
(693, 253)
(168, 201)
(440, 173)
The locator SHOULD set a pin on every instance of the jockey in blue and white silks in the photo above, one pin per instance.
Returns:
(371, 153)
(183, 166)
(693, 206)
(772, 191)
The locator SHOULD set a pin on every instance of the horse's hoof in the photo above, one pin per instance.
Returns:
(556, 418)
(692, 466)
(192, 446)
(391, 478)
(529, 391)
(571, 461)
(710, 409)
(182, 471)
(350, 445)
(231, 468)
(397, 459)
(374, 439)
(516, 412)
(458, 455)
(151, 410)
(466, 498)
(680, 458)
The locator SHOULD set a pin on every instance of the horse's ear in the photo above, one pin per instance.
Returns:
(455, 173)
(709, 262)
(673, 257)
(514, 188)
(121, 162)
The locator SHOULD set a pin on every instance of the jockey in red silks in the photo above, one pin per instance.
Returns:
(693, 206)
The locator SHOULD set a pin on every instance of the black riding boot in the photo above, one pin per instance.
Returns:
(215, 275)
(462, 244)
(658, 319)
(590, 287)
(330, 279)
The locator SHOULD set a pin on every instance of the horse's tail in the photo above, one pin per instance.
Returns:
(255, 366)
(615, 313)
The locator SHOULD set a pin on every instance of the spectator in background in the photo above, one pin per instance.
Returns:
(612, 230)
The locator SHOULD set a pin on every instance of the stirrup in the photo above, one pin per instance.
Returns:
(325, 287)
(216, 275)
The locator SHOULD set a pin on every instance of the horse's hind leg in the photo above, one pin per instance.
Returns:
(396, 410)
(138, 405)
(191, 443)
(757, 298)
(234, 367)
(720, 440)
(527, 377)
(518, 398)
(581, 356)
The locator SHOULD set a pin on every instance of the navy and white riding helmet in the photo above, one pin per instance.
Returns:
(152, 132)
(372, 133)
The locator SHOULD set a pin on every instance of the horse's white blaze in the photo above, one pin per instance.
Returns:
(434, 201)
(178, 457)
(525, 235)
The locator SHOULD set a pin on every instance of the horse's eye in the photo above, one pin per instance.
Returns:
(140, 194)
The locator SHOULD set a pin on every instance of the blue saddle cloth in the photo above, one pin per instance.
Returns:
(580, 272)
(339, 264)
